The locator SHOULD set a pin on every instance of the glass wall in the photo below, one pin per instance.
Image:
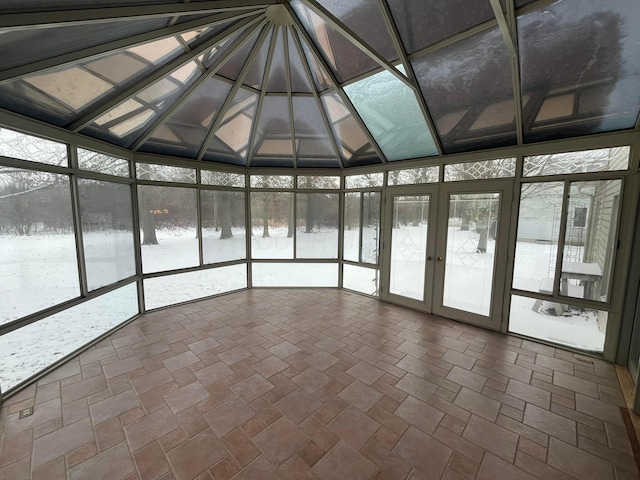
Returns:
(566, 246)
(67, 252)
(79, 235)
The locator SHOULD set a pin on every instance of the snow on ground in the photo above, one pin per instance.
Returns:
(182, 287)
(30, 349)
(36, 272)
(40, 271)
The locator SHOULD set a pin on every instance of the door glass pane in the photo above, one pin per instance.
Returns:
(590, 239)
(470, 253)
(409, 227)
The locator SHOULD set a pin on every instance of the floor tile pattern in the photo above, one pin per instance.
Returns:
(316, 384)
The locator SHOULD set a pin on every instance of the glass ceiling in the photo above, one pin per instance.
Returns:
(322, 83)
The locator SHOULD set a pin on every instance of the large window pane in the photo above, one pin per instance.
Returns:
(37, 244)
(223, 226)
(351, 246)
(272, 225)
(538, 234)
(582, 328)
(590, 239)
(318, 222)
(107, 231)
(33, 348)
(361, 279)
(295, 274)
(168, 228)
(183, 287)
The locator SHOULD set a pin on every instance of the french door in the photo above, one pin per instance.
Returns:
(444, 249)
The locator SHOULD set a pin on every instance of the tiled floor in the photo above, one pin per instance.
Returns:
(317, 384)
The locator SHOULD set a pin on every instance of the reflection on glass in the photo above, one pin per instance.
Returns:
(601, 160)
(470, 253)
(317, 223)
(312, 137)
(35, 149)
(103, 163)
(538, 234)
(585, 51)
(294, 274)
(107, 231)
(38, 248)
(361, 279)
(364, 181)
(351, 247)
(168, 228)
(590, 239)
(273, 136)
(185, 131)
(183, 287)
(468, 87)
(365, 19)
(390, 110)
(223, 226)
(420, 27)
(165, 173)
(271, 181)
(320, 182)
(276, 79)
(409, 229)
(352, 140)
(272, 225)
(123, 122)
(223, 179)
(582, 328)
(33, 348)
(345, 58)
(231, 140)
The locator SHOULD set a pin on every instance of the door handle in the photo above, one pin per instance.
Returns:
(439, 259)
(429, 258)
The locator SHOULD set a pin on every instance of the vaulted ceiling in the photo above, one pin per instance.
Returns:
(322, 83)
